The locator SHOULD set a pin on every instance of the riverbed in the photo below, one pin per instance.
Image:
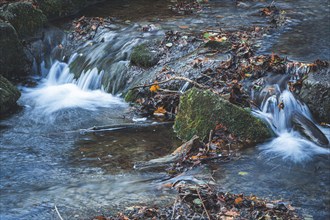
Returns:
(48, 160)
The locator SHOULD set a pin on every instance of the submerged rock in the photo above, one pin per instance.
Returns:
(200, 111)
(25, 18)
(9, 94)
(308, 129)
(13, 60)
(315, 92)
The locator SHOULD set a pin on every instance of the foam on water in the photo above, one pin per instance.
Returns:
(61, 91)
(288, 144)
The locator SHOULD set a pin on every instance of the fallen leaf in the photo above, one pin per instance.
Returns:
(238, 200)
(198, 202)
(242, 173)
(94, 27)
(160, 110)
(154, 88)
(183, 27)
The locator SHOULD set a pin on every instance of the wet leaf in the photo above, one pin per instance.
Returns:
(238, 200)
(206, 35)
(154, 88)
(280, 105)
(183, 27)
(198, 202)
(242, 173)
(94, 27)
(160, 110)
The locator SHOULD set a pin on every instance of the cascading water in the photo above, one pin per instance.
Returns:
(280, 109)
(61, 91)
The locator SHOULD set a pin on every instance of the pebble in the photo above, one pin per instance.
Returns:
(169, 45)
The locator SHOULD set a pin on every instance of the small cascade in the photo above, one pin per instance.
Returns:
(60, 90)
(298, 136)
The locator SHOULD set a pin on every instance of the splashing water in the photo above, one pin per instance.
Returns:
(277, 110)
(61, 91)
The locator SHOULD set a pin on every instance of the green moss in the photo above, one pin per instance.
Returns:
(143, 57)
(59, 8)
(215, 45)
(8, 95)
(200, 111)
(24, 17)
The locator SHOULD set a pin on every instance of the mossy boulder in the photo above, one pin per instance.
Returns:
(24, 17)
(60, 8)
(200, 111)
(13, 60)
(143, 56)
(315, 92)
(9, 94)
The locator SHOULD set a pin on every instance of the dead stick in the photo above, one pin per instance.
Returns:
(174, 206)
(173, 78)
(58, 213)
(199, 195)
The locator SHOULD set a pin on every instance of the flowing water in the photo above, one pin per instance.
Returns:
(48, 159)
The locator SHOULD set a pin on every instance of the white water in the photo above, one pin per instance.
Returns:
(288, 144)
(59, 90)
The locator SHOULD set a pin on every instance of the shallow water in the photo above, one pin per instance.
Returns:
(46, 160)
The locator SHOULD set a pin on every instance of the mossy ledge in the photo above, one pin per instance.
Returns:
(201, 110)
(142, 56)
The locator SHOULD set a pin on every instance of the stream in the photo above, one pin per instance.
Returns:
(48, 160)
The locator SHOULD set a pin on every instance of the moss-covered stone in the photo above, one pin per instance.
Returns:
(315, 92)
(60, 8)
(143, 57)
(9, 94)
(221, 46)
(25, 18)
(13, 60)
(200, 111)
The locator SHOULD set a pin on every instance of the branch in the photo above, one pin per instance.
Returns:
(199, 195)
(173, 78)
(58, 213)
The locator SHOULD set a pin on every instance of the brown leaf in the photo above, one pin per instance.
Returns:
(184, 27)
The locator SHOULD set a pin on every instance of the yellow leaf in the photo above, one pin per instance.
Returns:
(242, 173)
(238, 200)
(160, 110)
(154, 88)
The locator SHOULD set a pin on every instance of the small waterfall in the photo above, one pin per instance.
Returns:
(60, 90)
(280, 109)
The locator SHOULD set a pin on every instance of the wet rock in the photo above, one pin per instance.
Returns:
(143, 56)
(24, 17)
(309, 130)
(13, 60)
(200, 111)
(315, 92)
(60, 8)
(9, 94)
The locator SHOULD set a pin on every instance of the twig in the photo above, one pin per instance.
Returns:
(199, 195)
(58, 213)
(208, 144)
(174, 208)
(170, 79)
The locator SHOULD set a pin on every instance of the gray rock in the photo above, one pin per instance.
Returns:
(9, 94)
(315, 92)
(13, 60)
(308, 129)
(200, 111)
